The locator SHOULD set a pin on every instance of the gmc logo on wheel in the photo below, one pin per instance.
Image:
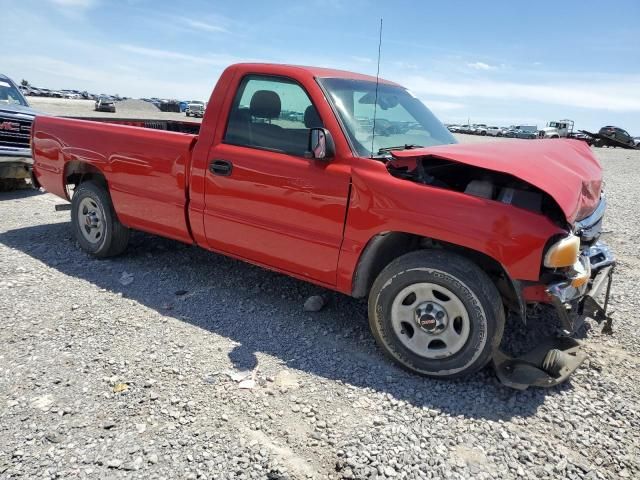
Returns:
(10, 126)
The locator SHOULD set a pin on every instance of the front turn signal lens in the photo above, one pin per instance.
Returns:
(580, 279)
(563, 253)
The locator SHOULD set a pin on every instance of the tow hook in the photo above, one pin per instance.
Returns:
(549, 364)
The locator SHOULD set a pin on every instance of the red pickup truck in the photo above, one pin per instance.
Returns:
(353, 184)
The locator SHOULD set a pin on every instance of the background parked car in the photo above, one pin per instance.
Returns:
(480, 129)
(195, 109)
(16, 118)
(615, 133)
(496, 131)
(522, 131)
(105, 104)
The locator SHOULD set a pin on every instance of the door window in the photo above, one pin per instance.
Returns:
(273, 114)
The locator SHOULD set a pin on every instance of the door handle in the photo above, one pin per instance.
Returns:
(221, 167)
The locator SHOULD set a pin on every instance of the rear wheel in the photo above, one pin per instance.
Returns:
(95, 224)
(436, 313)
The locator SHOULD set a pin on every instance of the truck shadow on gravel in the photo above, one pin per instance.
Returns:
(262, 311)
(20, 193)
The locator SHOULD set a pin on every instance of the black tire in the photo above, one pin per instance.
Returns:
(463, 278)
(115, 236)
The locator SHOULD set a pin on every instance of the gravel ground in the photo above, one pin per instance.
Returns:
(84, 108)
(171, 362)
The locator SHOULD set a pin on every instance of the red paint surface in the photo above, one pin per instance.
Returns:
(565, 169)
(288, 213)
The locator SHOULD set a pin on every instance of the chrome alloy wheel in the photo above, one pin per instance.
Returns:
(430, 320)
(91, 220)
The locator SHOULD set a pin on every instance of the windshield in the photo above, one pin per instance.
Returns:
(10, 94)
(400, 118)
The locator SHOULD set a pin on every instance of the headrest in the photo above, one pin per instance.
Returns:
(311, 118)
(265, 104)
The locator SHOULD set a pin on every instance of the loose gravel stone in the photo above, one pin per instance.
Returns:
(314, 303)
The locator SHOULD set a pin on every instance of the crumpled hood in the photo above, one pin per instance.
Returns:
(565, 169)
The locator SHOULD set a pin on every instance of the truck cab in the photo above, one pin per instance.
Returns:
(557, 129)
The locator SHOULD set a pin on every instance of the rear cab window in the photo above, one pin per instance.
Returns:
(271, 113)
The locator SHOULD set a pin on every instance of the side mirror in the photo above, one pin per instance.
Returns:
(321, 146)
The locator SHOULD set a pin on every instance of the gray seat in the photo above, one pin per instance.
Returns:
(311, 118)
(265, 106)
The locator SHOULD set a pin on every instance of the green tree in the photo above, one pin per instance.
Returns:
(24, 83)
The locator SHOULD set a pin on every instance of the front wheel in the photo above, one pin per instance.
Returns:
(436, 313)
(94, 221)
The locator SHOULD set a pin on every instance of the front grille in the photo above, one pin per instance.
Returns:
(15, 132)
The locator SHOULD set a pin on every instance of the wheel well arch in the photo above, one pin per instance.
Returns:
(77, 172)
(387, 246)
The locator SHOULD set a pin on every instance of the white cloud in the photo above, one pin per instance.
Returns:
(405, 65)
(74, 3)
(480, 66)
(361, 59)
(217, 60)
(620, 94)
(205, 26)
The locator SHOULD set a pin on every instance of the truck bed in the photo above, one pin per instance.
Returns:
(145, 162)
(155, 124)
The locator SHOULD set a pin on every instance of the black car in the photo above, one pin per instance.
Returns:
(104, 104)
(16, 118)
(616, 133)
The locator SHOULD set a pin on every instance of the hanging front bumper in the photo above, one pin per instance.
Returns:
(575, 304)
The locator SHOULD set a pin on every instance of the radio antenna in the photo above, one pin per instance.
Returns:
(375, 103)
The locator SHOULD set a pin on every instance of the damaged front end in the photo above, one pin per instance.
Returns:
(565, 186)
(574, 292)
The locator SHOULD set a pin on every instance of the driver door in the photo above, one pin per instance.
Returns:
(264, 201)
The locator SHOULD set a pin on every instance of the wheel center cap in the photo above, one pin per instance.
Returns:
(91, 220)
(431, 317)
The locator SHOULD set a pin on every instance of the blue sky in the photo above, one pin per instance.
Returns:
(499, 62)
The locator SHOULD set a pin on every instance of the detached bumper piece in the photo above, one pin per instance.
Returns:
(549, 364)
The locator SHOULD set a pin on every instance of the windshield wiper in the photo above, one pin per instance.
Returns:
(408, 146)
